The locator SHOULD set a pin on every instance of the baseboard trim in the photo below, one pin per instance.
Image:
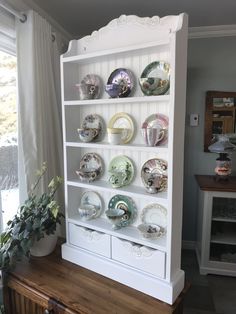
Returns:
(188, 245)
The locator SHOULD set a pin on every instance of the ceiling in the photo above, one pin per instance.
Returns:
(81, 17)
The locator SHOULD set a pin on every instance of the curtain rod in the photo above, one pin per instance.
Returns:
(22, 17)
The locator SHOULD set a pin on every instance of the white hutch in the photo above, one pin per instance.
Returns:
(150, 266)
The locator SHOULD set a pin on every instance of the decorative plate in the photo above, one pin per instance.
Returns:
(94, 79)
(158, 120)
(90, 205)
(154, 175)
(124, 78)
(121, 171)
(121, 211)
(94, 121)
(157, 73)
(154, 214)
(124, 121)
(90, 167)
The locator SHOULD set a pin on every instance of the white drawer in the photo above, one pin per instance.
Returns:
(138, 256)
(91, 240)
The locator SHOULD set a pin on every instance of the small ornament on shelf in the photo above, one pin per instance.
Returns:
(223, 163)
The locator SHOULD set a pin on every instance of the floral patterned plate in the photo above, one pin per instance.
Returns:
(91, 167)
(154, 175)
(154, 214)
(96, 81)
(121, 171)
(94, 121)
(155, 78)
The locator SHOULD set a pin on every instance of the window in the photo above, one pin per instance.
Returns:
(9, 192)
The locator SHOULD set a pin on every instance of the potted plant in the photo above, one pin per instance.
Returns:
(37, 218)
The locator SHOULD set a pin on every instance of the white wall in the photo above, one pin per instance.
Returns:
(211, 66)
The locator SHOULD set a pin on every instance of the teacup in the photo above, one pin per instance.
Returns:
(113, 90)
(150, 230)
(87, 212)
(153, 85)
(154, 181)
(149, 84)
(117, 216)
(87, 135)
(117, 178)
(153, 136)
(87, 91)
(87, 175)
(116, 135)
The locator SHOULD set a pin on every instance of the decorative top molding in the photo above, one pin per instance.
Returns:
(171, 22)
(129, 30)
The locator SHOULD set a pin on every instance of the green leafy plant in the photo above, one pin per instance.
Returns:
(39, 215)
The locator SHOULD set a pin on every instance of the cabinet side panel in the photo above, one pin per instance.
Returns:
(176, 145)
(200, 220)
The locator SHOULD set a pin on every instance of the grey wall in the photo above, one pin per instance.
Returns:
(211, 66)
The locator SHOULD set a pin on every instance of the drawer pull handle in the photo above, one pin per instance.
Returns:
(91, 235)
(138, 250)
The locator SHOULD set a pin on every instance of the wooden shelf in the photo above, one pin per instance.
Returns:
(69, 288)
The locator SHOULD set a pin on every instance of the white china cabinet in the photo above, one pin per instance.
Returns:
(216, 245)
(148, 265)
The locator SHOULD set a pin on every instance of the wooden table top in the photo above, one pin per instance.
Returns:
(209, 183)
(86, 291)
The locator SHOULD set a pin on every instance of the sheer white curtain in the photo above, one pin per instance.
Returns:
(40, 134)
(7, 45)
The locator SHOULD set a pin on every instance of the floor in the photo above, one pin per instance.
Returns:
(209, 294)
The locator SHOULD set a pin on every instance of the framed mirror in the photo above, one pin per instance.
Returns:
(219, 116)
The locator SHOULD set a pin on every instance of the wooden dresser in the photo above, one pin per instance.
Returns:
(50, 285)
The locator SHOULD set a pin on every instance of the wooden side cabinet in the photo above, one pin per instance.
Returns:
(50, 285)
(22, 299)
(216, 245)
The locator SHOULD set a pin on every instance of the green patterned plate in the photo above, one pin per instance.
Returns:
(121, 211)
(155, 78)
(121, 171)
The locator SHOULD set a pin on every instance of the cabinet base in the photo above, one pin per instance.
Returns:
(153, 286)
(216, 267)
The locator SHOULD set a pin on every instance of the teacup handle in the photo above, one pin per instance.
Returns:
(95, 133)
(161, 136)
(124, 133)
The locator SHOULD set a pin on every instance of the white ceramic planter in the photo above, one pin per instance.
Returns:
(44, 246)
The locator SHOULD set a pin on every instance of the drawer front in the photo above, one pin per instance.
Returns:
(91, 240)
(141, 257)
